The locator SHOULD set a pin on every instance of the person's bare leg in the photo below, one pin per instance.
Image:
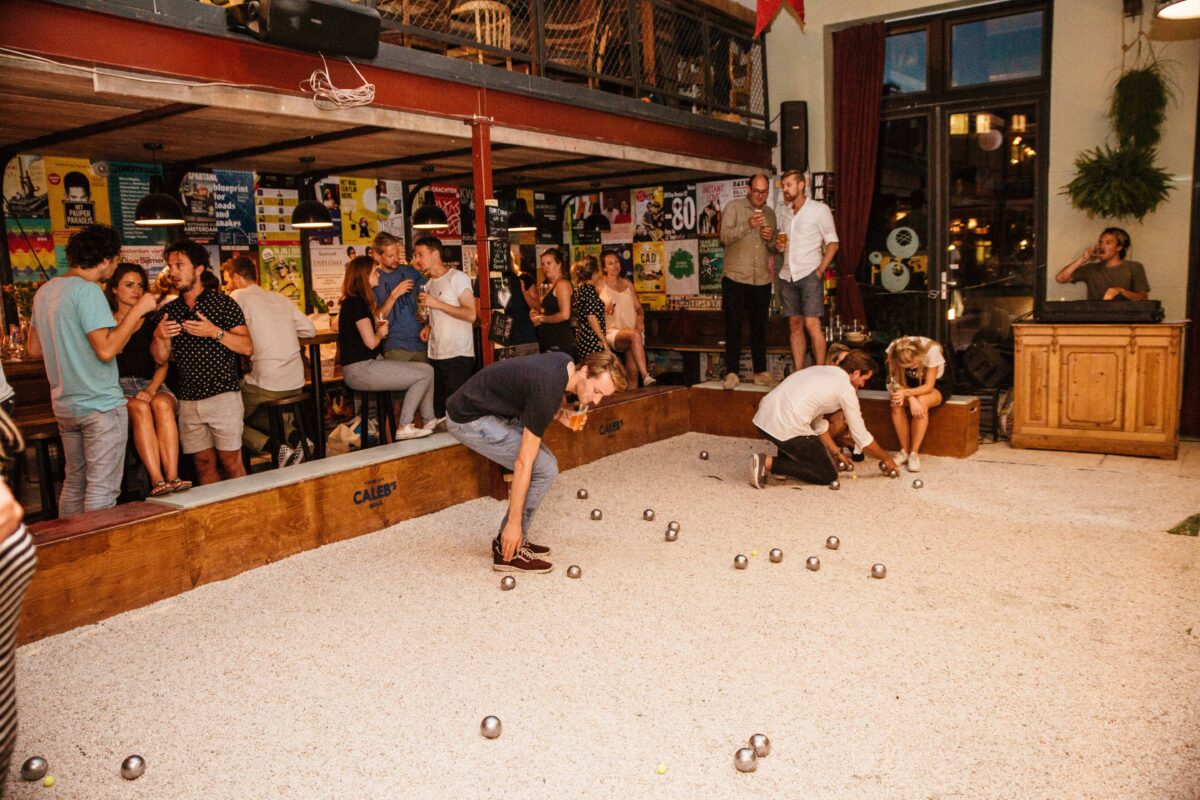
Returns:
(206, 466)
(837, 427)
(796, 340)
(632, 342)
(900, 424)
(231, 463)
(921, 424)
(168, 435)
(813, 326)
(144, 440)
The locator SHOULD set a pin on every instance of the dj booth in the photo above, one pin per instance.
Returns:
(1099, 377)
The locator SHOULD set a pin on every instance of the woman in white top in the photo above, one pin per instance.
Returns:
(917, 382)
(624, 319)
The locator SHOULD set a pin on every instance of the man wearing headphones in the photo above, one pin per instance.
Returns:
(1103, 268)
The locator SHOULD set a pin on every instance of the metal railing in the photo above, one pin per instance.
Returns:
(680, 56)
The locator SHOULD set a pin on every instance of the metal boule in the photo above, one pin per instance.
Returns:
(704, 455)
(835, 485)
(490, 727)
(507, 582)
(833, 542)
(34, 769)
(878, 571)
(813, 563)
(574, 571)
(133, 767)
(648, 515)
(776, 555)
(740, 561)
(761, 745)
(597, 514)
(745, 760)
(582, 494)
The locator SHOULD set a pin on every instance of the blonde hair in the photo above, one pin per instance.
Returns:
(597, 364)
(907, 352)
(836, 349)
(585, 269)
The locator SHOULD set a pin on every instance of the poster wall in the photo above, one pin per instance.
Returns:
(31, 249)
(683, 275)
(679, 211)
(712, 265)
(648, 279)
(446, 198)
(78, 197)
(711, 198)
(328, 265)
(235, 212)
(280, 270)
(128, 183)
(359, 210)
(273, 210)
(618, 209)
(198, 194)
(649, 221)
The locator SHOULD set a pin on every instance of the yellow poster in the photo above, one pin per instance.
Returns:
(648, 261)
(78, 193)
(360, 210)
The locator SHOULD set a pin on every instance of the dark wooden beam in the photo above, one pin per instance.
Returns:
(95, 128)
(417, 158)
(521, 169)
(288, 144)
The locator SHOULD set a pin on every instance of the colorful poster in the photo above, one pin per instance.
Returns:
(327, 263)
(648, 260)
(198, 193)
(711, 198)
(547, 212)
(578, 251)
(235, 208)
(648, 214)
(580, 207)
(24, 190)
(128, 183)
(329, 192)
(683, 277)
(618, 208)
(446, 198)
(77, 193)
(653, 301)
(148, 256)
(470, 256)
(31, 250)
(280, 271)
(679, 210)
(273, 211)
(389, 209)
(712, 265)
(357, 202)
(625, 256)
(466, 214)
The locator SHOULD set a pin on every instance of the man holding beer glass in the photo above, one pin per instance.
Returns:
(503, 411)
(810, 244)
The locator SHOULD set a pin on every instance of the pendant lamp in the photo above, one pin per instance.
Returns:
(157, 209)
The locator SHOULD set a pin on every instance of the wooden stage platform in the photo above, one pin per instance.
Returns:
(95, 565)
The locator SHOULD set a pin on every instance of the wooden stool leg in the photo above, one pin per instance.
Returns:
(46, 479)
(275, 434)
(364, 420)
(302, 429)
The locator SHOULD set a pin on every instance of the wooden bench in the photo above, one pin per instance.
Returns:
(953, 426)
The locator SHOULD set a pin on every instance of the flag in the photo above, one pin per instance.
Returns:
(767, 10)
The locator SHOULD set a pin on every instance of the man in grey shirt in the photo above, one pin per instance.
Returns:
(748, 233)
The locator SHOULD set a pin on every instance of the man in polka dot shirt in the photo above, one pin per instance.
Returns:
(203, 332)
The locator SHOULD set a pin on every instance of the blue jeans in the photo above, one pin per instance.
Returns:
(499, 440)
(94, 449)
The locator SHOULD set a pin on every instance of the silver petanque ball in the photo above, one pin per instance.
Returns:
(835, 485)
(704, 455)
(761, 745)
(597, 514)
(833, 543)
(490, 727)
(34, 769)
(883, 467)
(507, 583)
(648, 515)
(672, 534)
(891, 473)
(813, 563)
(918, 484)
(740, 561)
(776, 555)
(673, 526)
(844, 467)
(582, 494)
(878, 571)
(133, 767)
(745, 760)
(574, 571)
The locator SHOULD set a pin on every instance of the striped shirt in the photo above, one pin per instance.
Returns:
(17, 559)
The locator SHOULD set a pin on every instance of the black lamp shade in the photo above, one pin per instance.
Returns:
(1177, 9)
(429, 217)
(521, 220)
(596, 222)
(311, 214)
(158, 210)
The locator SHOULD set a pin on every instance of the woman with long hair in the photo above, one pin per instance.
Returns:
(360, 334)
(152, 406)
(624, 318)
(588, 309)
(917, 382)
(553, 322)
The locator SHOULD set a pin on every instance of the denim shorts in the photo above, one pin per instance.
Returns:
(803, 298)
(131, 385)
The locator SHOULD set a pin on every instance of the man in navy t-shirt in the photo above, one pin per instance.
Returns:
(396, 300)
(502, 412)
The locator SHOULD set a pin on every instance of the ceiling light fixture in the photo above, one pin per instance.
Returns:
(1177, 9)
(157, 209)
(429, 217)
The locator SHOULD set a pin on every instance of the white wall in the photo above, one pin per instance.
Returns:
(1086, 60)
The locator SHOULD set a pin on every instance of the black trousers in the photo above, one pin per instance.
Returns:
(803, 457)
(448, 375)
(739, 300)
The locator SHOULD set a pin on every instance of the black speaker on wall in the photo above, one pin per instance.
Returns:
(332, 27)
(793, 139)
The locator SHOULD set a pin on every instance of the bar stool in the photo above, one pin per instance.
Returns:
(41, 439)
(385, 420)
(296, 404)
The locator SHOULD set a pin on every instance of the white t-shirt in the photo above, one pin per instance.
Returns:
(797, 407)
(934, 358)
(810, 230)
(276, 325)
(450, 337)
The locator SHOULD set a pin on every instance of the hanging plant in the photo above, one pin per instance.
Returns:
(1124, 182)
(1118, 184)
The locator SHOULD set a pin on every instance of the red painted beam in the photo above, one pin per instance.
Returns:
(71, 34)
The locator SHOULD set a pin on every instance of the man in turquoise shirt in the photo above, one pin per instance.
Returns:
(73, 330)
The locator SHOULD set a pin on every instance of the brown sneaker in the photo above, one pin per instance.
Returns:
(522, 561)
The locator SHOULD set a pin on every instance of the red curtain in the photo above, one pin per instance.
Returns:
(858, 55)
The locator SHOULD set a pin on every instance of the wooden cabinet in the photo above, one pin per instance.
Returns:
(1099, 388)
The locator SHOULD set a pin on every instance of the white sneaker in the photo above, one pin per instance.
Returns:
(286, 454)
(731, 380)
(900, 458)
(764, 379)
(410, 431)
(433, 423)
(298, 454)
(648, 381)
(914, 462)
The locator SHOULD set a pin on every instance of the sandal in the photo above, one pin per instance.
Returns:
(180, 486)
(161, 488)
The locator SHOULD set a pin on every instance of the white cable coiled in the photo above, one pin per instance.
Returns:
(326, 96)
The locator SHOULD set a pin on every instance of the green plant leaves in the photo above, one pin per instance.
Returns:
(1118, 183)
(1139, 106)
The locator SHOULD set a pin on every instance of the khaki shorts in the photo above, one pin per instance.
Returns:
(214, 422)
(397, 354)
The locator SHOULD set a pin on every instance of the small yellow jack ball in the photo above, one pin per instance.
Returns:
(661, 769)
(754, 553)
(48, 781)
(853, 477)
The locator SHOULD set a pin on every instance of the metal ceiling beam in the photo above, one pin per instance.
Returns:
(633, 173)
(96, 128)
(288, 144)
(523, 168)
(399, 161)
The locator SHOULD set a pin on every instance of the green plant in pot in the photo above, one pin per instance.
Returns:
(1123, 182)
